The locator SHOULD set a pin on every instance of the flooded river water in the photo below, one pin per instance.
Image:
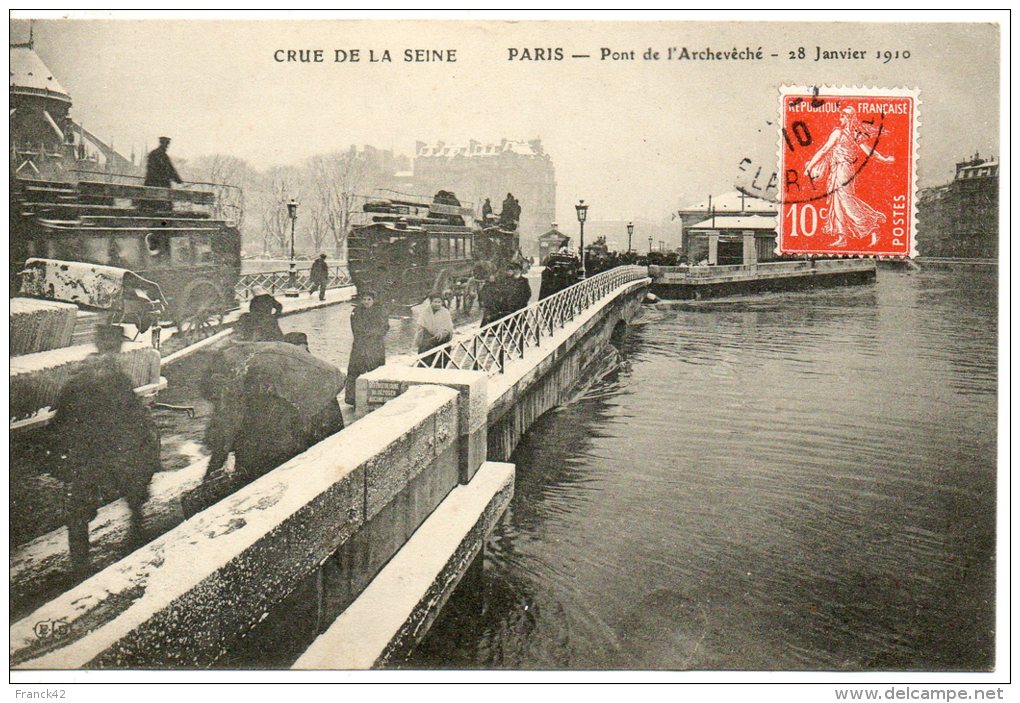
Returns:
(795, 481)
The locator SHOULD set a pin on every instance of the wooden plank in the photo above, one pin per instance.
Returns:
(127, 230)
(120, 190)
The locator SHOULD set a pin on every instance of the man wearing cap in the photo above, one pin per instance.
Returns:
(159, 170)
(160, 173)
(318, 277)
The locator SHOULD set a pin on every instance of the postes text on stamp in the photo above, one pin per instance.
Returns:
(846, 165)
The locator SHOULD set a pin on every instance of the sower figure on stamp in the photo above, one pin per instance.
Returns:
(105, 446)
(847, 214)
(319, 276)
(369, 325)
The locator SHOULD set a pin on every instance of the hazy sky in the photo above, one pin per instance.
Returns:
(635, 138)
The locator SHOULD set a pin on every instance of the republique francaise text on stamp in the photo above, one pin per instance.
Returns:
(847, 171)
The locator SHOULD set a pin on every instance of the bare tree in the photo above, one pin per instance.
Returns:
(318, 227)
(277, 189)
(229, 177)
(337, 178)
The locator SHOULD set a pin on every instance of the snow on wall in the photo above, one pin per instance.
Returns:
(184, 598)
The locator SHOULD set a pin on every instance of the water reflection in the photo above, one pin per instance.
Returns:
(797, 481)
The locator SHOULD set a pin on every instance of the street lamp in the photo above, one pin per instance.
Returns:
(649, 244)
(582, 215)
(292, 291)
(630, 234)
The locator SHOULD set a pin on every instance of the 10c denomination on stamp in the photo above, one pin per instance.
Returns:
(847, 171)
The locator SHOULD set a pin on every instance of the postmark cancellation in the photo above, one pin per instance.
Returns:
(847, 171)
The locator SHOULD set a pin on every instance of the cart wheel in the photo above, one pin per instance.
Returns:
(201, 308)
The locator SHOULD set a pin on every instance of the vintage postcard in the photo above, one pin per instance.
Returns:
(504, 343)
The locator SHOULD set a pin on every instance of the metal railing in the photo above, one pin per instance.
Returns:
(496, 344)
(768, 267)
(250, 284)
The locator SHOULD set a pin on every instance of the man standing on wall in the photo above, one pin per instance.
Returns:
(160, 173)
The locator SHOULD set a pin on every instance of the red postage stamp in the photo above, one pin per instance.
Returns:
(846, 164)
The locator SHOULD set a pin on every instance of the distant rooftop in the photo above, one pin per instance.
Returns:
(30, 75)
(758, 222)
(734, 201)
(474, 149)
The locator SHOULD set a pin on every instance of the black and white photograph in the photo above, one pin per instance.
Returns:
(495, 347)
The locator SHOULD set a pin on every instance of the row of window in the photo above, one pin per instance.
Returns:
(449, 248)
(157, 249)
(978, 173)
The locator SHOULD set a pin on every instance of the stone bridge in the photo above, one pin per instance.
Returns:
(342, 557)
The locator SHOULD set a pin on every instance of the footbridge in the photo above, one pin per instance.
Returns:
(342, 557)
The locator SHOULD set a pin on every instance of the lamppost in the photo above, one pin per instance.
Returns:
(582, 215)
(630, 234)
(649, 244)
(292, 291)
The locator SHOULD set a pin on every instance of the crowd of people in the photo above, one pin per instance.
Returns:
(504, 293)
(272, 399)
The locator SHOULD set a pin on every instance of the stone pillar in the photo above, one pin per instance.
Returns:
(713, 248)
(377, 387)
(750, 249)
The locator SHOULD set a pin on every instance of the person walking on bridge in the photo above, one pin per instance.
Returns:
(518, 290)
(319, 276)
(105, 445)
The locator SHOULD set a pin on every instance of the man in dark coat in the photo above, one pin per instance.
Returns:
(560, 272)
(272, 402)
(159, 170)
(319, 276)
(160, 173)
(518, 290)
(105, 446)
(259, 324)
(510, 213)
(486, 210)
(490, 298)
(369, 324)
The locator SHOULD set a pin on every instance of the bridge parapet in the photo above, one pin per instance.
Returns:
(493, 346)
(532, 360)
(317, 529)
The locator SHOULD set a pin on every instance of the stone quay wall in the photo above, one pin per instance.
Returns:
(252, 580)
(291, 566)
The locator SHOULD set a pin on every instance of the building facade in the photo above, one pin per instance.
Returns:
(961, 219)
(551, 242)
(717, 213)
(476, 171)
